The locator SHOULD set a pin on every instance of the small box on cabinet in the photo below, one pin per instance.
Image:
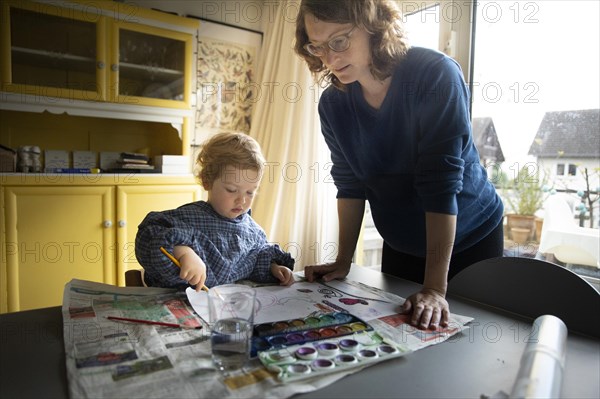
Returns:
(172, 164)
(85, 160)
(109, 160)
(8, 159)
(56, 159)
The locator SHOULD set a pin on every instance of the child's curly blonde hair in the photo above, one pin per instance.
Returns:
(227, 149)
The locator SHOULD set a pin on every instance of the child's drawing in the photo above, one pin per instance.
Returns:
(302, 299)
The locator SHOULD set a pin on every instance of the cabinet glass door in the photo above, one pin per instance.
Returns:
(152, 65)
(55, 49)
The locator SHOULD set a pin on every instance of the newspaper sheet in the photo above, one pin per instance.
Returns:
(108, 358)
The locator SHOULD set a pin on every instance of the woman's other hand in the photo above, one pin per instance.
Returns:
(328, 271)
(429, 309)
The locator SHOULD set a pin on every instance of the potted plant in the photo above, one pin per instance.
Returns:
(524, 196)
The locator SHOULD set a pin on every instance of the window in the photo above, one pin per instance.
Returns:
(535, 60)
(532, 67)
(423, 27)
(535, 75)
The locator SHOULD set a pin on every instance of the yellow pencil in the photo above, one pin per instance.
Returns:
(176, 262)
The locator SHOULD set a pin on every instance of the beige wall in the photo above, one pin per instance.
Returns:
(249, 14)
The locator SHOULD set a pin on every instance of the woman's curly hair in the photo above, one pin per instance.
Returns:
(380, 18)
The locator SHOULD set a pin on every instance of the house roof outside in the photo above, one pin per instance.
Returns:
(568, 134)
(486, 139)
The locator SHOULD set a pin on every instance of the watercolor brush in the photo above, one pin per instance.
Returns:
(156, 323)
(176, 263)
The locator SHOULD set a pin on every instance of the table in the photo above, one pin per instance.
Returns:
(482, 360)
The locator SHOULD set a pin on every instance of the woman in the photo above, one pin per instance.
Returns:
(396, 120)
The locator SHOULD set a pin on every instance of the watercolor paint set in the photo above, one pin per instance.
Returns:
(281, 334)
(316, 358)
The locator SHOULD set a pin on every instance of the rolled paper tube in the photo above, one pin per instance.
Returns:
(542, 363)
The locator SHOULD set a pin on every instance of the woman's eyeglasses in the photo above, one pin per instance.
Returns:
(338, 44)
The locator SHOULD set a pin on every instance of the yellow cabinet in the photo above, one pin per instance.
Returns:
(96, 51)
(55, 233)
(149, 65)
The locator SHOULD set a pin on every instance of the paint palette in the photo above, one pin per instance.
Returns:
(316, 358)
(281, 334)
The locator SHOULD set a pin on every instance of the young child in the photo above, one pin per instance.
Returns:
(216, 242)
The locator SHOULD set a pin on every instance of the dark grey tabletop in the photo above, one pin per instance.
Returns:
(480, 361)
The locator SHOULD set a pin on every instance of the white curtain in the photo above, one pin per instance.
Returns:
(296, 201)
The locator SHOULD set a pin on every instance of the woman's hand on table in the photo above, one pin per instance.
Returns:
(328, 271)
(429, 309)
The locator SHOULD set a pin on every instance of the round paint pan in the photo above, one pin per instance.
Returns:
(298, 368)
(260, 344)
(386, 350)
(358, 326)
(311, 335)
(345, 359)
(328, 349)
(328, 332)
(278, 340)
(295, 338)
(327, 319)
(281, 357)
(322, 364)
(343, 317)
(349, 345)
(306, 353)
(297, 323)
(367, 354)
(263, 329)
(280, 326)
(343, 330)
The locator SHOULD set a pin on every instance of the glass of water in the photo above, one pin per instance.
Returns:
(231, 309)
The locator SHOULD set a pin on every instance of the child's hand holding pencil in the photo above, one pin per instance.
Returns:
(193, 269)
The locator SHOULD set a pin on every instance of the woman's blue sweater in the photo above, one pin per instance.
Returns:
(415, 154)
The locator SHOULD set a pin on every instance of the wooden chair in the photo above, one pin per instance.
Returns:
(134, 278)
(531, 288)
